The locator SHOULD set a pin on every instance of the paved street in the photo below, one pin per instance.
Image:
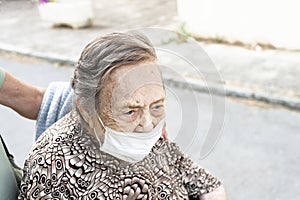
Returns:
(256, 157)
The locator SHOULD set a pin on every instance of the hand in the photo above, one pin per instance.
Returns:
(164, 133)
(217, 194)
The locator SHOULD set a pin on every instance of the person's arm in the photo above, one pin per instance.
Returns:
(199, 183)
(25, 99)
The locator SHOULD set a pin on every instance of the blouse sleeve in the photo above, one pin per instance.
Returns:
(196, 180)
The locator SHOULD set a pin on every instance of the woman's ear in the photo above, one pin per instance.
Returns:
(85, 113)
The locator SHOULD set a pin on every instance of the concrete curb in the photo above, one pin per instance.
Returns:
(216, 89)
(44, 56)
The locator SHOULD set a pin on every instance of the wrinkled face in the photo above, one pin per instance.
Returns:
(132, 99)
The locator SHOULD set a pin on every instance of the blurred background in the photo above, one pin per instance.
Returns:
(253, 45)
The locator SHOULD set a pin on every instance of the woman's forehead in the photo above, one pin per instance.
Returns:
(143, 96)
(148, 71)
(147, 94)
(130, 78)
(132, 84)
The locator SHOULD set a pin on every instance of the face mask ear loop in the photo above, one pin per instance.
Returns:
(100, 143)
(100, 121)
(96, 131)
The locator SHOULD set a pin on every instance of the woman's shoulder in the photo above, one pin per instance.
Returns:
(57, 143)
(65, 129)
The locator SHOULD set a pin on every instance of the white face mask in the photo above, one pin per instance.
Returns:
(131, 147)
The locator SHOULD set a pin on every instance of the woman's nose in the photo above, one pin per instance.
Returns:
(146, 124)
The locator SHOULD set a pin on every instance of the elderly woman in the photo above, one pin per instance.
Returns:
(110, 146)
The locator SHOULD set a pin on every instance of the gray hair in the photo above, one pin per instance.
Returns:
(103, 55)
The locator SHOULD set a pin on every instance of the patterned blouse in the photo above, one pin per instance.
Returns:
(66, 163)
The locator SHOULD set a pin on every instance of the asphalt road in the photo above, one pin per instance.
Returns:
(256, 157)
